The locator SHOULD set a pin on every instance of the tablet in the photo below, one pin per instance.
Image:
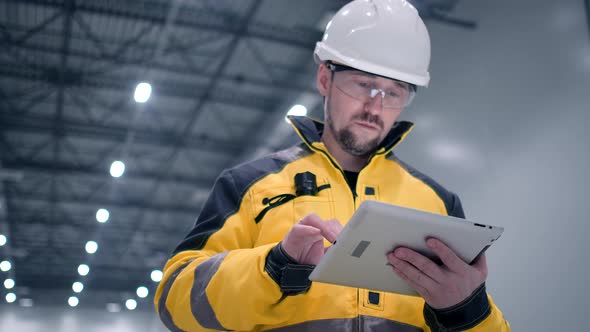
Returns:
(358, 258)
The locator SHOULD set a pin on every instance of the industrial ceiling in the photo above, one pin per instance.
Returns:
(223, 75)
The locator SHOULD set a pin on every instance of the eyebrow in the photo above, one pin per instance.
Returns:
(362, 73)
(369, 75)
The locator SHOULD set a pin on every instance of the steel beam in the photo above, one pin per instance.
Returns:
(115, 133)
(73, 171)
(205, 20)
(165, 88)
(107, 203)
(59, 105)
(183, 70)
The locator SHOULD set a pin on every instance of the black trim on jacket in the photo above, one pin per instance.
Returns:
(291, 277)
(462, 316)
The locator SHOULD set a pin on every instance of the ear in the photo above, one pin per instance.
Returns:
(323, 80)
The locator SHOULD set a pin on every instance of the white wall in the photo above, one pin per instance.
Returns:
(507, 112)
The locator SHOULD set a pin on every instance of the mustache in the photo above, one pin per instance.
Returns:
(370, 118)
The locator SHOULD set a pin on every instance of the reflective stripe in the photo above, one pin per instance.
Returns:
(366, 323)
(165, 315)
(200, 306)
(376, 324)
(324, 325)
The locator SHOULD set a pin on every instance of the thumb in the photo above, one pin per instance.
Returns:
(480, 263)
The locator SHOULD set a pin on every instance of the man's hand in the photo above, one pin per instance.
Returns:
(442, 286)
(305, 241)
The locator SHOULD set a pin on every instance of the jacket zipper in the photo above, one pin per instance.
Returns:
(358, 291)
(339, 169)
(357, 327)
(327, 155)
(358, 305)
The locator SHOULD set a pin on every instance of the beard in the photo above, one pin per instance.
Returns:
(349, 141)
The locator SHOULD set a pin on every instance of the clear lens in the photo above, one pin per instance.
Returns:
(363, 87)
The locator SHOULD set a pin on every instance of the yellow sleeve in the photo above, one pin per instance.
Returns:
(495, 322)
(216, 280)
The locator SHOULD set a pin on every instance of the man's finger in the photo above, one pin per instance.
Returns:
(335, 228)
(447, 256)
(421, 290)
(327, 228)
(311, 219)
(306, 233)
(422, 263)
(415, 276)
(481, 264)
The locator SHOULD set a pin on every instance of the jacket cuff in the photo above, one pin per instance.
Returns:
(292, 278)
(462, 316)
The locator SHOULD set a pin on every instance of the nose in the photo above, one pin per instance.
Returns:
(375, 103)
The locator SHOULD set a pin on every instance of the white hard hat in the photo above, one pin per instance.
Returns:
(383, 37)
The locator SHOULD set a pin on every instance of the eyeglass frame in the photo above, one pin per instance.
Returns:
(338, 68)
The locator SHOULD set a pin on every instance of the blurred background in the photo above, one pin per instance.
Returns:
(117, 116)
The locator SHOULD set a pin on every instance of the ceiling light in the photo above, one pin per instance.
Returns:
(142, 292)
(2, 240)
(143, 92)
(131, 304)
(5, 266)
(10, 297)
(77, 287)
(113, 307)
(296, 110)
(83, 269)
(117, 168)
(156, 275)
(91, 247)
(102, 215)
(73, 301)
(8, 283)
(26, 303)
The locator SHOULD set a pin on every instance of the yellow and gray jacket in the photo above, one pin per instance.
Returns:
(230, 274)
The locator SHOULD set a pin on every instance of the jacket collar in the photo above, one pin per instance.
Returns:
(310, 130)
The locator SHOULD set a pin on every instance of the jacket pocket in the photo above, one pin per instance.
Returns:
(322, 205)
(277, 209)
(272, 214)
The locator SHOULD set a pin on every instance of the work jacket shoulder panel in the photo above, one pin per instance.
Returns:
(451, 200)
(230, 190)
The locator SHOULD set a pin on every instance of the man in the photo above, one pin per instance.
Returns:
(245, 264)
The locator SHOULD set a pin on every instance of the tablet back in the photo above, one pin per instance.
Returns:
(358, 257)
